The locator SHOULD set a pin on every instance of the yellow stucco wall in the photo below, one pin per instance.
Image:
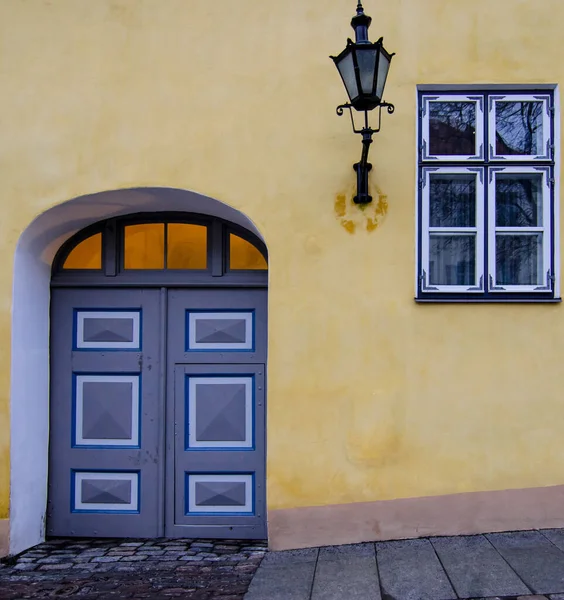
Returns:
(370, 395)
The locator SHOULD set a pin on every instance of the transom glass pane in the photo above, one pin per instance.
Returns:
(518, 200)
(452, 259)
(452, 128)
(452, 200)
(519, 128)
(243, 255)
(187, 246)
(86, 255)
(144, 246)
(519, 259)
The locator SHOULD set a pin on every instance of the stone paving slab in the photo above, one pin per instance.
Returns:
(556, 536)
(358, 563)
(410, 570)
(538, 562)
(144, 569)
(476, 569)
(285, 576)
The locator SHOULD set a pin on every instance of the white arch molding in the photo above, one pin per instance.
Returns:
(29, 394)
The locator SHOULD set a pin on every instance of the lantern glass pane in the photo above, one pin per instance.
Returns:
(367, 65)
(383, 66)
(346, 69)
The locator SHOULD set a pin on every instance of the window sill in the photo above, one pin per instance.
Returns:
(488, 300)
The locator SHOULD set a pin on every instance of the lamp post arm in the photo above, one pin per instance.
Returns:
(363, 167)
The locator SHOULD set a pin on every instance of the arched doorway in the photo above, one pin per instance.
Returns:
(157, 400)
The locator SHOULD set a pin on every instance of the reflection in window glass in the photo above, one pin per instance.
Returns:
(86, 255)
(452, 128)
(452, 200)
(518, 200)
(518, 128)
(519, 259)
(452, 259)
(144, 246)
(243, 255)
(187, 246)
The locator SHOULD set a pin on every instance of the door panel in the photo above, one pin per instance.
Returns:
(105, 411)
(216, 326)
(216, 409)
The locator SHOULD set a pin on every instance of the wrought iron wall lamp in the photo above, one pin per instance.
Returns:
(363, 67)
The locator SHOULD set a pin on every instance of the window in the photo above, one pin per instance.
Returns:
(144, 246)
(177, 248)
(86, 254)
(244, 256)
(486, 196)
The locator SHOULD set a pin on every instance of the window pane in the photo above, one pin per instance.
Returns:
(243, 255)
(518, 259)
(86, 255)
(518, 128)
(518, 200)
(346, 69)
(187, 246)
(144, 246)
(452, 260)
(452, 128)
(367, 65)
(452, 201)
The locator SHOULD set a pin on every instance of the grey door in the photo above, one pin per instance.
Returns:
(106, 456)
(216, 412)
(157, 413)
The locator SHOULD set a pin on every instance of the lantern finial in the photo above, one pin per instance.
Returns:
(360, 23)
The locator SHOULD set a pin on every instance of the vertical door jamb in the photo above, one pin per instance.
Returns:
(162, 426)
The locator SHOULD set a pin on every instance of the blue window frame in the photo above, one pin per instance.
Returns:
(486, 227)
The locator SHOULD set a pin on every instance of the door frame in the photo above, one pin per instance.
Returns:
(112, 275)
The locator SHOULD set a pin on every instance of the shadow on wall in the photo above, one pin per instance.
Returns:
(34, 255)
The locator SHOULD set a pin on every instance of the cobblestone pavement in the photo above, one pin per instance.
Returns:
(148, 569)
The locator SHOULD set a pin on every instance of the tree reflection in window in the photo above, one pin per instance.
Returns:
(452, 259)
(519, 259)
(518, 128)
(452, 200)
(518, 200)
(452, 128)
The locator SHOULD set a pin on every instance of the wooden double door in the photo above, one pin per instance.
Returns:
(157, 413)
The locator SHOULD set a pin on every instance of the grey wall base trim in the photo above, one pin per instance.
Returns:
(454, 514)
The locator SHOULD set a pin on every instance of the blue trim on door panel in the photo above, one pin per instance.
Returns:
(74, 444)
(104, 512)
(187, 447)
(219, 310)
(105, 309)
(187, 512)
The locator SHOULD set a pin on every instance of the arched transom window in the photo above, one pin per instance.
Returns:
(177, 249)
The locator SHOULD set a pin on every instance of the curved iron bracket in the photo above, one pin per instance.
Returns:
(363, 167)
(389, 107)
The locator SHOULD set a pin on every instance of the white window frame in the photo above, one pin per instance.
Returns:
(478, 229)
(545, 229)
(546, 129)
(548, 163)
(479, 127)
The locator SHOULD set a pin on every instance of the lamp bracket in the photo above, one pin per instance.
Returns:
(363, 167)
(390, 108)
